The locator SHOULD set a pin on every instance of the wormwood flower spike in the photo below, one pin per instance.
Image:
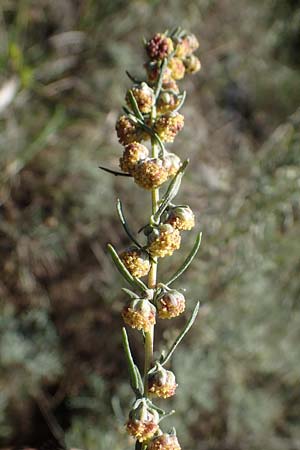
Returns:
(151, 120)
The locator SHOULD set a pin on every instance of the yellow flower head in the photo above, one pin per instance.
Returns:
(164, 240)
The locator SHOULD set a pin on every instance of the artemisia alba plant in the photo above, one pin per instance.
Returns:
(151, 119)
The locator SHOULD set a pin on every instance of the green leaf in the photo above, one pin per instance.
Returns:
(135, 106)
(135, 376)
(135, 282)
(179, 338)
(170, 193)
(160, 78)
(124, 223)
(188, 260)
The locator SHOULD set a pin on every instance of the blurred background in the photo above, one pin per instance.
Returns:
(63, 377)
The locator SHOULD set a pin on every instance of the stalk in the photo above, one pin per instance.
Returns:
(153, 109)
(152, 277)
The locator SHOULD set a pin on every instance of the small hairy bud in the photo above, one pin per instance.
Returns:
(150, 173)
(162, 382)
(133, 153)
(140, 314)
(159, 47)
(172, 163)
(136, 261)
(170, 304)
(181, 217)
(164, 442)
(128, 131)
(142, 423)
(164, 240)
(186, 46)
(167, 126)
(144, 97)
(192, 64)
(177, 68)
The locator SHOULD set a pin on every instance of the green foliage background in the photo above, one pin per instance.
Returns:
(62, 84)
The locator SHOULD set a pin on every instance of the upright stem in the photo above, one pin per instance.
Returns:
(152, 277)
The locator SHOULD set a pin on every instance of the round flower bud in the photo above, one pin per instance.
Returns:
(167, 102)
(129, 132)
(153, 72)
(159, 47)
(172, 163)
(162, 383)
(164, 240)
(140, 314)
(132, 154)
(186, 46)
(170, 304)
(168, 125)
(192, 64)
(182, 218)
(164, 442)
(136, 261)
(150, 173)
(142, 423)
(144, 97)
(177, 68)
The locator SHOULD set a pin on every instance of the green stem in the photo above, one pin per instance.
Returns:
(152, 278)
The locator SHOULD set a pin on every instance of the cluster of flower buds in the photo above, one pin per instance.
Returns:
(151, 119)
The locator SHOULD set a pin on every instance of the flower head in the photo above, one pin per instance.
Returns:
(192, 64)
(170, 304)
(186, 46)
(159, 47)
(150, 173)
(177, 68)
(164, 442)
(144, 97)
(133, 153)
(163, 240)
(142, 423)
(140, 314)
(162, 382)
(167, 126)
(181, 217)
(136, 261)
(128, 131)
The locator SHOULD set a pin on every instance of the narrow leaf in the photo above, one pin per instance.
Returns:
(124, 223)
(171, 192)
(139, 379)
(160, 78)
(181, 335)
(170, 413)
(135, 106)
(133, 370)
(132, 78)
(114, 172)
(188, 260)
(135, 282)
(130, 293)
(182, 100)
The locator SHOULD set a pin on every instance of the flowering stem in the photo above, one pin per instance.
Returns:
(152, 277)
